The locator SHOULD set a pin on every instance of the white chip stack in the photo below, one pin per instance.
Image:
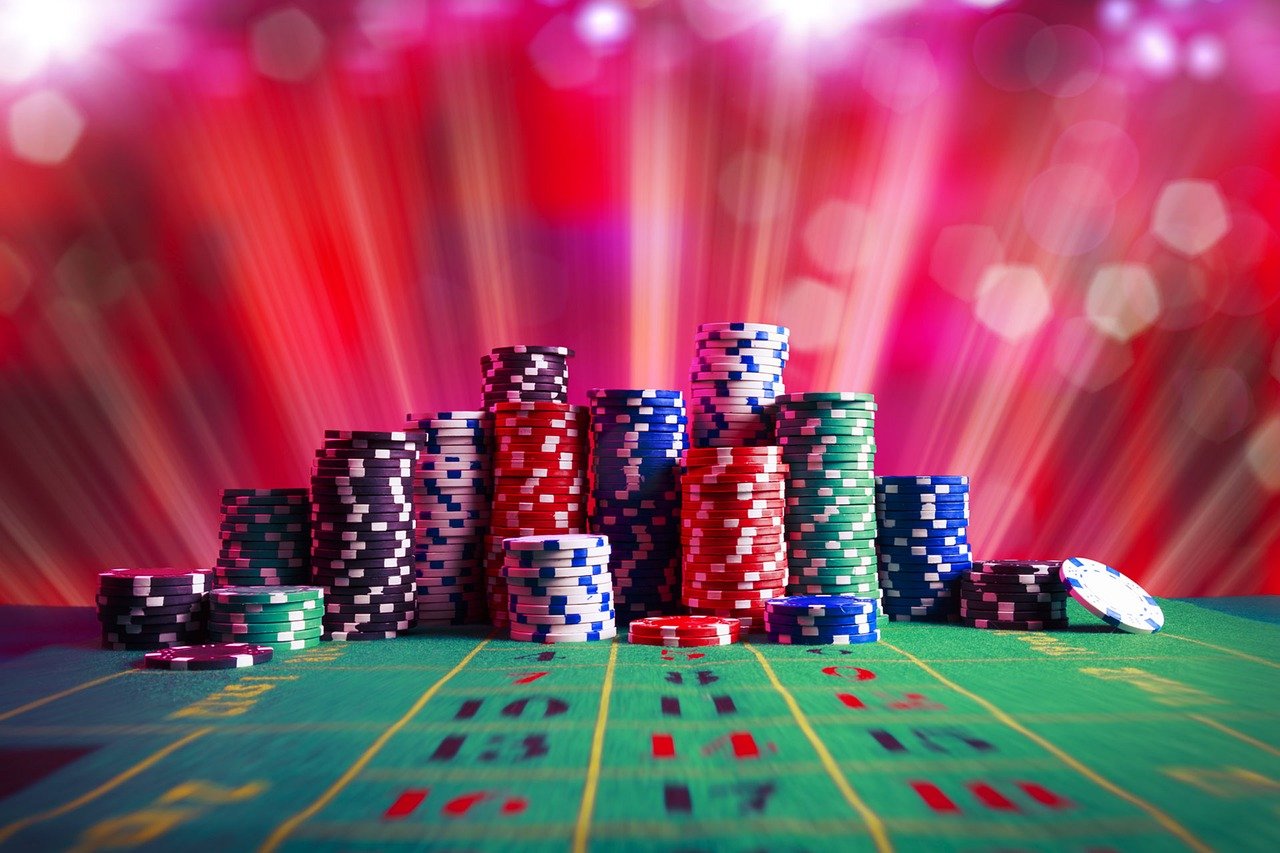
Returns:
(560, 588)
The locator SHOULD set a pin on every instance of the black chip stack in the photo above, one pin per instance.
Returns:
(265, 538)
(451, 510)
(362, 533)
(532, 373)
(1014, 595)
(143, 609)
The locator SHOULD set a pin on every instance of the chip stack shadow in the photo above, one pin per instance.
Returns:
(265, 538)
(735, 378)
(451, 510)
(637, 439)
(362, 533)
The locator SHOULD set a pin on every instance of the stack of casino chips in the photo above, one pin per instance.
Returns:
(539, 482)
(152, 608)
(821, 620)
(828, 443)
(283, 618)
(637, 439)
(734, 554)
(735, 378)
(560, 588)
(1015, 595)
(451, 510)
(362, 533)
(266, 538)
(513, 374)
(684, 631)
(923, 544)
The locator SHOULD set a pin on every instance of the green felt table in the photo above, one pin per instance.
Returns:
(937, 738)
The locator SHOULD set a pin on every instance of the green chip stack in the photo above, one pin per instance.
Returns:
(285, 618)
(828, 443)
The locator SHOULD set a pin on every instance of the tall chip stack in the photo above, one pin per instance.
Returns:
(828, 442)
(560, 588)
(539, 482)
(734, 554)
(923, 544)
(735, 380)
(451, 486)
(265, 538)
(362, 533)
(637, 439)
(152, 608)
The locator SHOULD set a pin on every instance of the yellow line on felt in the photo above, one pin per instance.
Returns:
(583, 827)
(283, 830)
(1240, 736)
(111, 784)
(1224, 650)
(874, 825)
(30, 706)
(1133, 799)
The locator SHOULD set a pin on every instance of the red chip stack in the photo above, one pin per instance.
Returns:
(539, 482)
(734, 550)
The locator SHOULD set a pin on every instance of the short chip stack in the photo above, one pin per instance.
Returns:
(734, 557)
(637, 438)
(266, 538)
(1016, 595)
(821, 620)
(533, 373)
(735, 378)
(283, 618)
(152, 608)
(560, 588)
(923, 544)
(684, 631)
(451, 486)
(539, 482)
(828, 443)
(362, 533)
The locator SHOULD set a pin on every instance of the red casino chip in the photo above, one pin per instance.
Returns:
(696, 456)
(685, 626)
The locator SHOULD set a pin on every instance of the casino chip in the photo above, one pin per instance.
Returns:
(684, 631)
(559, 588)
(525, 373)
(363, 531)
(821, 619)
(284, 618)
(922, 544)
(828, 443)
(735, 379)
(539, 483)
(999, 593)
(208, 657)
(451, 510)
(1111, 596)
(152, 608)
(265, 537)
(637, 435)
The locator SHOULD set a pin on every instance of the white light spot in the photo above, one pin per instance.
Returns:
(1088, 360)
(1064, 60)
(604, 23)
(755, 187)
(1262, 453)
(719, 19)
(44, 127)
(1000, 51)
(1013, 301)
(961, 255)
(1116, 15)
(1122, 300)
(1155, 49)
(1190, 216)
(833, 237)
(1216, 403)
(826, 18)
(813, 310)
(15, 279)
(1104, 148)
(562, 58)
(900, 73)
(392, 24)
(1206, 56)
(287, 45)
(1068, 210)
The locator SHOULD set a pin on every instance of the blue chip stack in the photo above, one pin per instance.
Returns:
(559, 588)
(451, 484)
(923, 544)
(637, 437)
(821, 620)
(735, 379)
